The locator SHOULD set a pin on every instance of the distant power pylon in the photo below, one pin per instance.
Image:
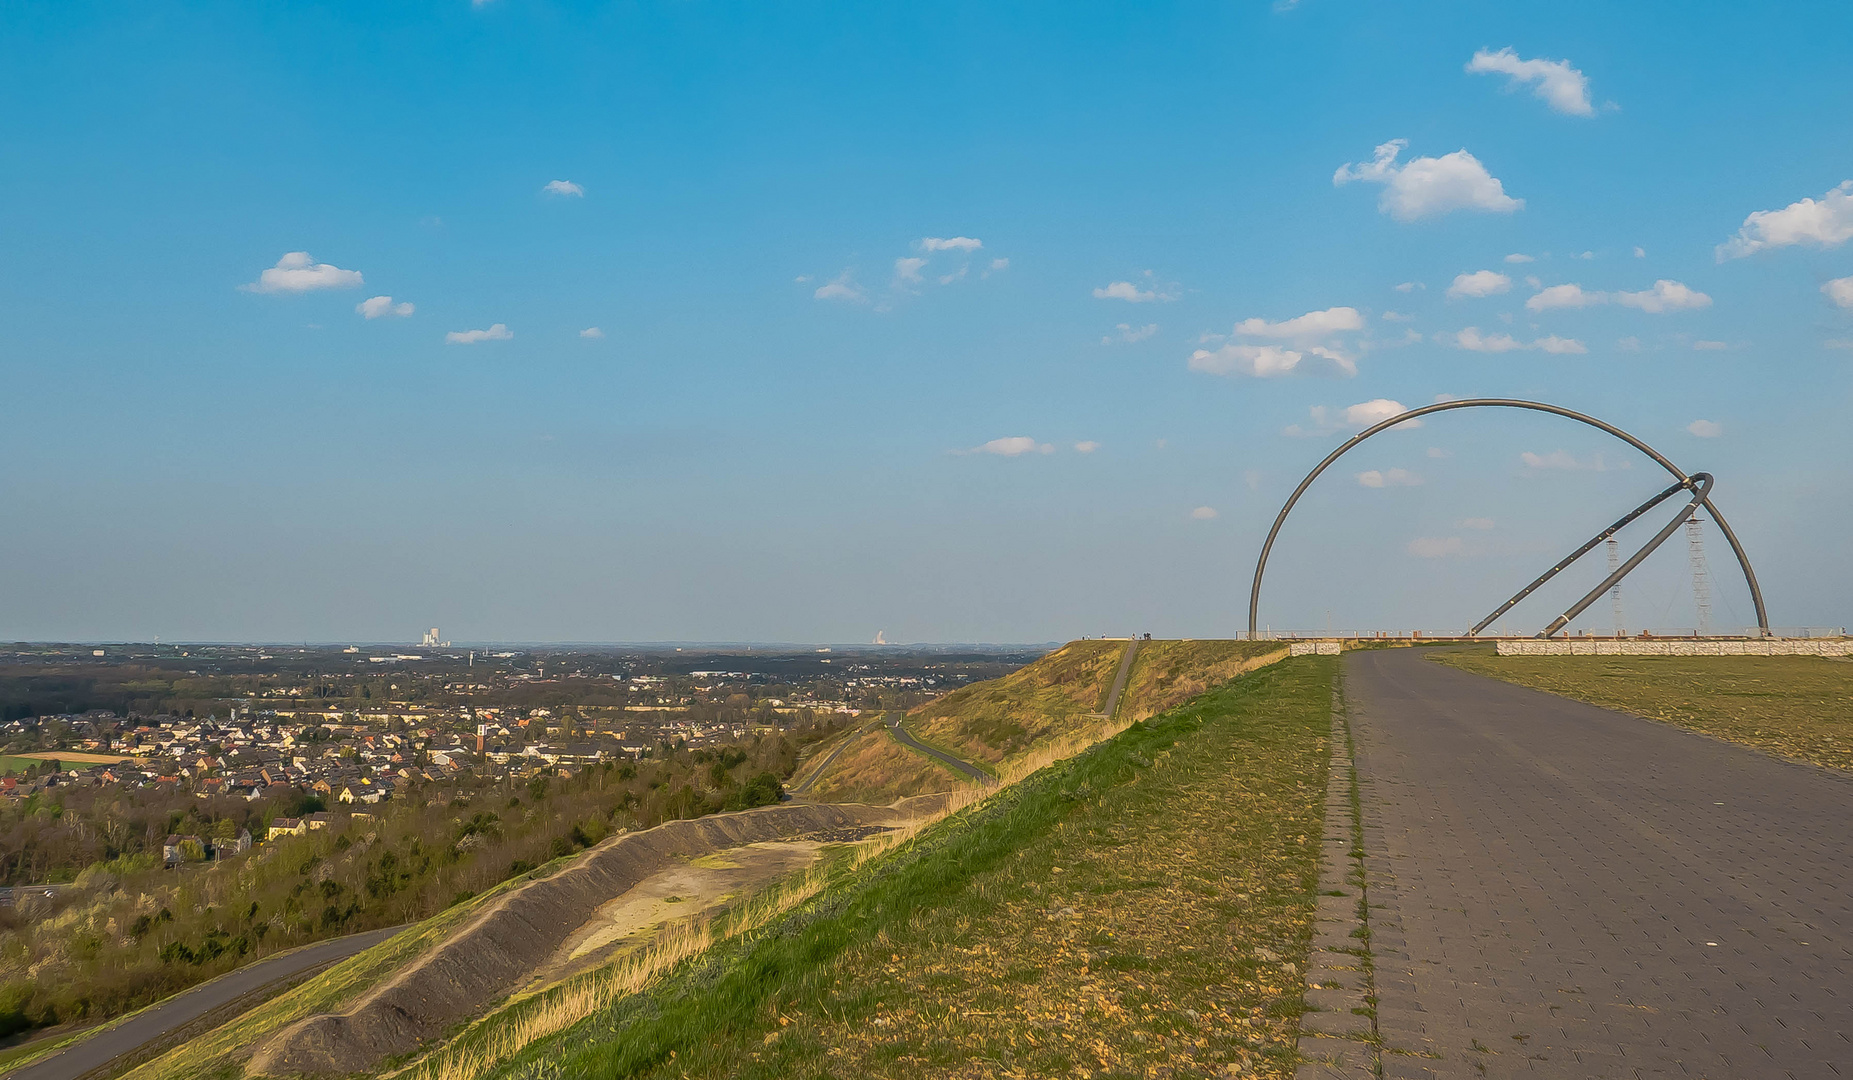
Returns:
(1701, 573)
(1614, 552)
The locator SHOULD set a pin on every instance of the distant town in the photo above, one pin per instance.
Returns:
(358, 726)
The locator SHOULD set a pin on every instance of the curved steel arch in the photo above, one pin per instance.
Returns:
(1704, 498)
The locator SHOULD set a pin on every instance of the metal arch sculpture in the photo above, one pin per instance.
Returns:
(1698, 483)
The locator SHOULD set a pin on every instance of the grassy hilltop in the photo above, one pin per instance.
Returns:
(1143, 905)
(1146, 905)
(1003, 722)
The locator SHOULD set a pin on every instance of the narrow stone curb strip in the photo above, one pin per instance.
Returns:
(1338, 1033)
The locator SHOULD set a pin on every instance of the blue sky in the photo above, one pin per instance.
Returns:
(949, 321)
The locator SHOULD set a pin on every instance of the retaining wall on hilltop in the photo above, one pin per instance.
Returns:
(1677, 647)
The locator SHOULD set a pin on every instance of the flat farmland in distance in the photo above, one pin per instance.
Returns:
(1795, 706)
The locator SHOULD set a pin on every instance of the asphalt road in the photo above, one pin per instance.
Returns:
(961, 766)
(1119, 680)
(1562, 891)
(817, 773)
(97, 1052)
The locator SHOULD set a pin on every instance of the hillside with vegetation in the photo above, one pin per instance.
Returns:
(1168, 673)
(990, 722)
(1143, 908)
(132, 929)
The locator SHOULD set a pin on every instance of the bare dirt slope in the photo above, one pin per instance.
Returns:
(504, 946)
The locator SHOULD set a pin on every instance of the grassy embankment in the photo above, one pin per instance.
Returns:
(983, 723)
(1793, 706)
(1143, 905)
(220, 1053)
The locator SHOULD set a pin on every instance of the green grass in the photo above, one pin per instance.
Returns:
(10, 764)
(1145, 905)
(990, 722)
(1792, 706)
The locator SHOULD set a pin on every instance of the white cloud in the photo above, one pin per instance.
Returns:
(1313, 334)
(591, 332)
(1560, 459)
(297, 272)
(1640, 252)
(1376, 411)
(1560, 345)
(1663, 297)
(955, 243)
(1555, 82)
(1314, 326)
(1086, 446)
(1260, 361)
(1837, 343)
(1827, 223)
(1840, 291)
(1477, 523)
(1479, 283)
(1435, 547)
(564, 187)
(1438, 453)
(907, 271)
(997, 266)
(1127, 291)
(1473, 341)
(1012, 446)
(1410, 286)
(1372, 478)
(1396, 316)
(1427, 186)
(1203, 513)
(1516, 257)
(1129, 333)
(1564, 296)
(841, 287)
(1629, 344)
(1705, 429)
(1354, 418)
(379, 307)
(498, 332)
(1711, 346)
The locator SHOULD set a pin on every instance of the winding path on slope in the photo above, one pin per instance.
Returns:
(959, 765)
(243, 986)
(1559, 890)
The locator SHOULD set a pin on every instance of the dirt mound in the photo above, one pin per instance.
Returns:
(493, 954)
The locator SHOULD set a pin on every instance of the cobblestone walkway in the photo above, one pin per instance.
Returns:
(1561, 891)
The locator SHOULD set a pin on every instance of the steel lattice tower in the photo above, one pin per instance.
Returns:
(1614, 550)
(1701, 573)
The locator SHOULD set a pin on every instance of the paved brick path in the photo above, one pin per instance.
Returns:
(1559, 890)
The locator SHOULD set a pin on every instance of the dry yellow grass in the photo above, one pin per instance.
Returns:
(1168, 673)
(1794, 706)
(879, 770)
(1055, 697)
(530, 1017)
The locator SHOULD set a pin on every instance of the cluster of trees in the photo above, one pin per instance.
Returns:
(130, 932)
(50, 836)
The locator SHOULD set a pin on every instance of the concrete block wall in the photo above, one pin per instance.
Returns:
(1677, 647)
(1316, 648)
